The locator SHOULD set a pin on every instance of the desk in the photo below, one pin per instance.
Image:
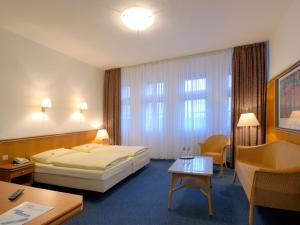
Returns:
(195, 173)
(65, 205)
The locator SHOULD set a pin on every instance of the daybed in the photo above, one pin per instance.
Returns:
(83, 170)
(270, 175)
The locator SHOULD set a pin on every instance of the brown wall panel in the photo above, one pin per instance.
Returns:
(25, 147)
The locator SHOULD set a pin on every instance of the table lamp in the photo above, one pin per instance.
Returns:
(102, 135)
(295, 114)
(248, 120)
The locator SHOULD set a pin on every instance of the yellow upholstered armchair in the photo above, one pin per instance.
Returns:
(215, 147)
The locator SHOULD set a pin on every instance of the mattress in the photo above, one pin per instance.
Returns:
(93, 180)
(140, 160)
(83, 173)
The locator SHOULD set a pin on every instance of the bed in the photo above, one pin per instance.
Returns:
(83, 167)
(138, 154)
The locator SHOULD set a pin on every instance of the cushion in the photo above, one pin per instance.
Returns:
(86, 147)
(47, 156)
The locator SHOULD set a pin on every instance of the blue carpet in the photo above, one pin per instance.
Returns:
(141, 199)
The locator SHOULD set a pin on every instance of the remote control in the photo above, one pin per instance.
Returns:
(16, 194)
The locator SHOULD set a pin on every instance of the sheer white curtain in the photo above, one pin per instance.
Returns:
(177, 103)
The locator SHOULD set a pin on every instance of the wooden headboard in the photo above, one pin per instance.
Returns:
(25, 147)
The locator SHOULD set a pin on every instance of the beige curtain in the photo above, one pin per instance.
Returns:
(112, 105)
(249, 86)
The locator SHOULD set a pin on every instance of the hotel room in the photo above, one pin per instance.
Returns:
(150, 112)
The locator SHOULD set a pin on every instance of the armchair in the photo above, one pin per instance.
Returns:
(215, 147)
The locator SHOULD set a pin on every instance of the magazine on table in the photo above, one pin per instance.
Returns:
(23, 213)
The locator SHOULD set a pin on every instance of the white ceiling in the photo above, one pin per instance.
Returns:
(91, 30)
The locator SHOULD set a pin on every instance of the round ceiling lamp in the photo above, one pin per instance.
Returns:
(137, 18)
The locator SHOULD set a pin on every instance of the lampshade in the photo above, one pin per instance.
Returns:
(102, 134)
(248, 120)
(46, 104)
(295, 114)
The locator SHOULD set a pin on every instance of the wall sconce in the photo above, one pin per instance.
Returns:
(46, 104)
(83, 107)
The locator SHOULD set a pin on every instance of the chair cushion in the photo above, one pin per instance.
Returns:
(217, 157)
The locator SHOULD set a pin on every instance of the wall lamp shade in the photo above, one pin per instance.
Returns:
(102, 134)
(248, 120)
(46, 104)
(83, 107)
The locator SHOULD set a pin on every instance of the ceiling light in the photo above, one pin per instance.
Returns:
(137, 18)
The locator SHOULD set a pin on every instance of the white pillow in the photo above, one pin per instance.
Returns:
(86, 147)
(47, 156)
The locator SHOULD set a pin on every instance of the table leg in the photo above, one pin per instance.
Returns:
(210, 212)
(171, 191)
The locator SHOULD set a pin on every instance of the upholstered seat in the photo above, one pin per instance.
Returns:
(215, 147)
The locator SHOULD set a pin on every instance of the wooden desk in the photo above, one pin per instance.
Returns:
(195, 173)
(65, 205)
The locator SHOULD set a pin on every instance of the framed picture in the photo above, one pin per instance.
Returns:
(288, 99)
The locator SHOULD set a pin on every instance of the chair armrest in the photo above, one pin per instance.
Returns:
(250, 153)
(201, 147)
(280, 171)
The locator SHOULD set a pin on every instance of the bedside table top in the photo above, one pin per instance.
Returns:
(10, 166)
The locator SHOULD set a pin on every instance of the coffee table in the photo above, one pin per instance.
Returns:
(195, 173)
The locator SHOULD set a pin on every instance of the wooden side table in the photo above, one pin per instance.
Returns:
(17, 173)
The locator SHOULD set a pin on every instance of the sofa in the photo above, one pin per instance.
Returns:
(270, 175)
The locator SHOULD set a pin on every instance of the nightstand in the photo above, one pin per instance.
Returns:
(17, 173)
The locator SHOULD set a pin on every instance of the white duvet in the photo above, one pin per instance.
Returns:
(89, 161)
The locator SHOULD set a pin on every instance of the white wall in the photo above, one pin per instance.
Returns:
(28, 73)
(285, 41)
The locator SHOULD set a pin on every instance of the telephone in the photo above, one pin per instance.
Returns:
(20, 160)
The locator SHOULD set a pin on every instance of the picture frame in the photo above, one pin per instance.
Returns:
(288, 99)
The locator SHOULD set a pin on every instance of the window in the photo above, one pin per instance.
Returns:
(155, 108)
(125, 95)
(160, 115)
(125, 109)
(194, 118)
(195, 104)
(149, 117)
(195, 85)
(229, 102)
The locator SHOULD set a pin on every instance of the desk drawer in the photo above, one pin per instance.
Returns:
(21, 172)
(4, 177)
